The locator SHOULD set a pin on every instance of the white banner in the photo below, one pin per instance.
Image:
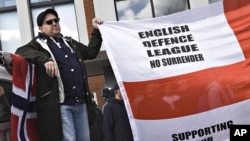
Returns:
(184, 77)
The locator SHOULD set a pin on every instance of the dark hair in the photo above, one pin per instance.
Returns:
(40, 17)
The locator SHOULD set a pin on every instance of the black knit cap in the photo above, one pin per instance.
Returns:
(116, 86)
(41, 16)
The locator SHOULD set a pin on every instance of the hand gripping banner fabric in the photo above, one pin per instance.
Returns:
(185, 76)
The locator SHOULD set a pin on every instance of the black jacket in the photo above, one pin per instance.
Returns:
(96, 129)
(116, 126)
(49, 95)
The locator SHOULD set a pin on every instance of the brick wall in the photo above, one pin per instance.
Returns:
(89, 14)
(96, 84)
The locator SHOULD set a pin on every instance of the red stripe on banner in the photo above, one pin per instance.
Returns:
(189, 94)
(238, 17)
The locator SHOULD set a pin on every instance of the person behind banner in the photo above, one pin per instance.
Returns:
(116, 126)
(96, 128)
(63, 101)
(106, 93)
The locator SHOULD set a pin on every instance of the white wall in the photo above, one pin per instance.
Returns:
(81, 21)
(24, 21)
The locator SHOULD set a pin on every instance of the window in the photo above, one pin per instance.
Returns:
(213, 1)
(133, 10)
(35, 1)
(9, 29)
(138, 9)
(166, 7)
(9, 32)
(141, 9)
(7, 3)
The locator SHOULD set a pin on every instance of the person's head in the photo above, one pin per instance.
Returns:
(48, 23)
(117, 91)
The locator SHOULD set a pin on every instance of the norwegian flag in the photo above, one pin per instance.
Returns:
(23, 112)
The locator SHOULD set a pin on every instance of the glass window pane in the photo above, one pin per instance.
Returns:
(213, 1)
(6, 3)
(50, 1)
(141, 9)
(9, 32)
(166, 7)
(68, 20)
(68, 23)
(133, 9)
(35, 1)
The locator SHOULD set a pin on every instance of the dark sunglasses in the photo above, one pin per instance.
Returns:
(50, 22)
